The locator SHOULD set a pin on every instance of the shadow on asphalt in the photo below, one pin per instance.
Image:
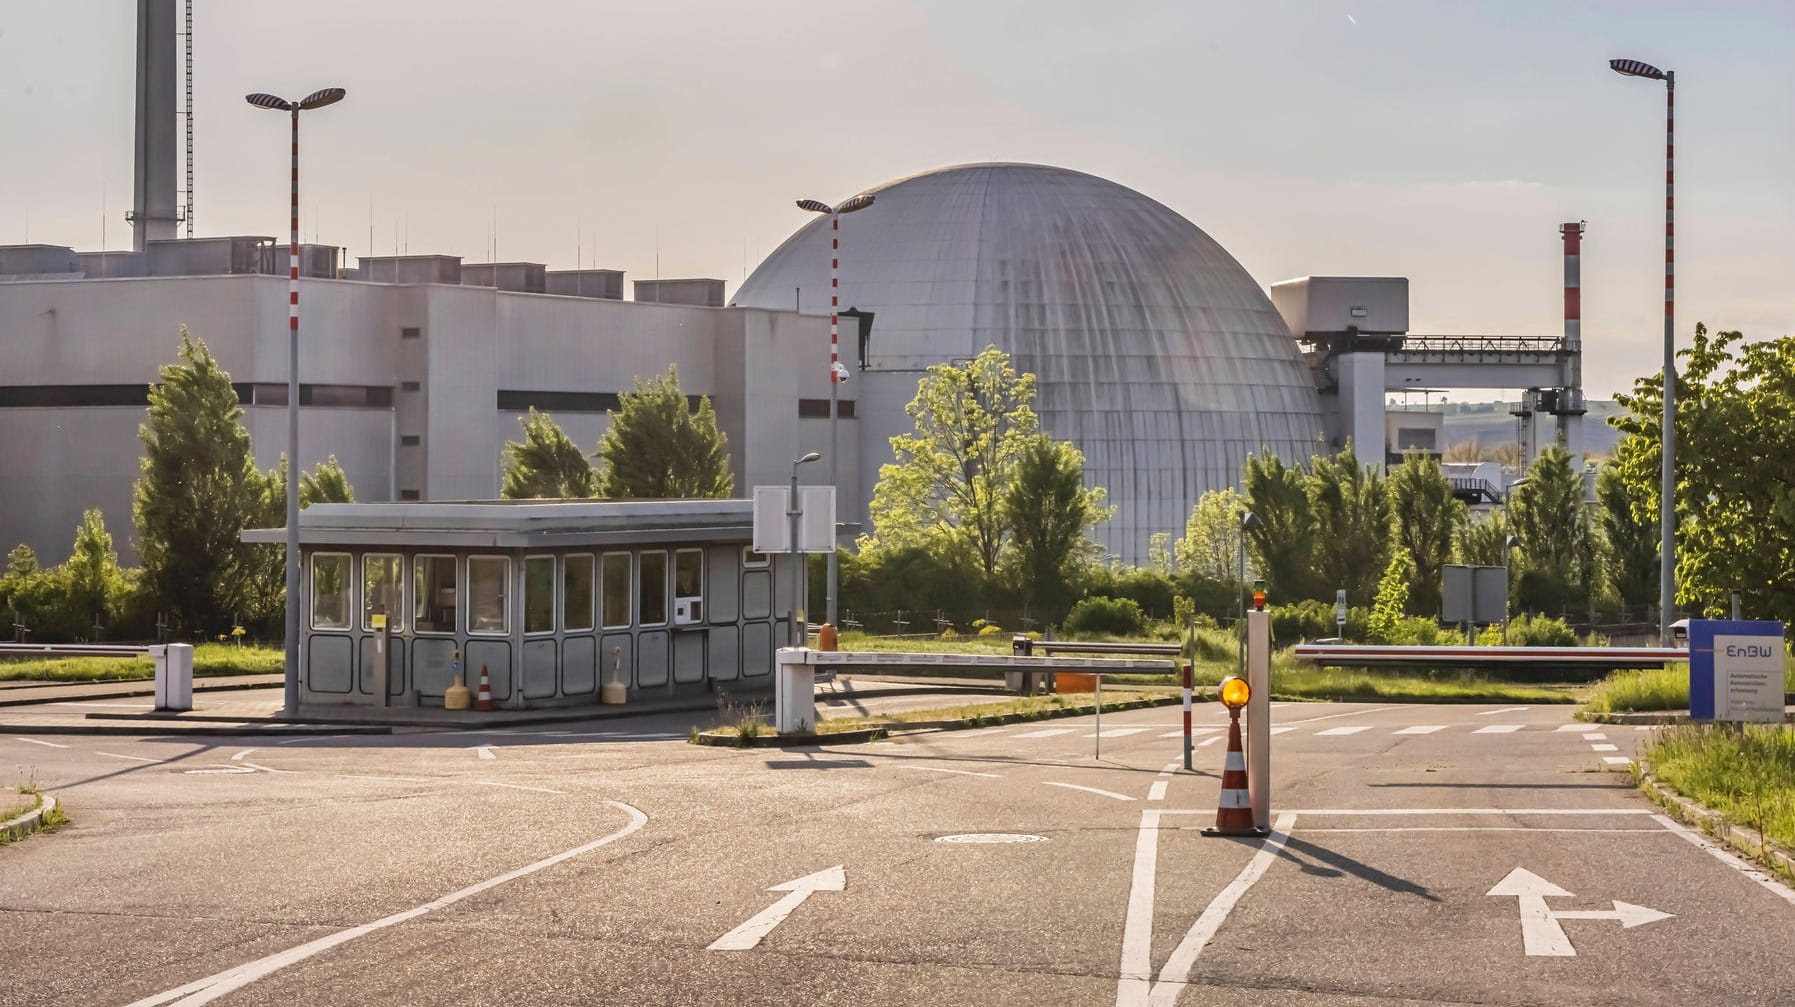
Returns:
(128, 770)
(1340, 863)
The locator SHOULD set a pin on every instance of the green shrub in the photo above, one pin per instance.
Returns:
(1114, 616)
(1313, 620)
(1531, 631)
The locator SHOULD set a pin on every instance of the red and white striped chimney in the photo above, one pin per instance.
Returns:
(1573, 283)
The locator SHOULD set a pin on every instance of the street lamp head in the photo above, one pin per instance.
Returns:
(1250, 521)
(319, 99)
(807, 459)
(261, 100)
(1513, 542)
(857, 203)
(814, 205)
(1634, 68)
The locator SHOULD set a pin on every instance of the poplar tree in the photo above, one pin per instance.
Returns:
(659, 448)
(546, 464)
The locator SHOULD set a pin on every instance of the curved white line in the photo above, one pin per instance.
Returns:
(203, 991)
(1090, 790)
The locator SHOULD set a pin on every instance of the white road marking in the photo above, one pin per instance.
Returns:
(133, 758)
(265, 769)
(388, 779)
(220, 770)
(1177, 969)
(239, 756)
(1281, 730)
(1193, 731)
(1337, 716)
(1566, 728)
(1541, 935)
(1597, 736)
(1617, 760)
(203, 991)
(1506, 709)
(1767, 882)
(1422, 730)
(1499, 729)
(1137, 927)
(944, 769)
(485, 751)
(516, 786)
(1090, 790)
(326, 737)
(34, 741)
(1605, 748)
(1335, 731)
(1158, 791)
(1118, 732)
(751, 933)
(1206, 742)
(1047, 733)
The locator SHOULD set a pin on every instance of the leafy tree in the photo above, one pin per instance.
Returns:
(947, 486)
(20, 584)
(546, 464)
(657, 448)
(1630, 545)
(1427, 519)
(1388, 612)
(1210, 548)
(1556, 535)
(1351, 513)
(1159, 553)
(1482, 540)
(1735, 505)
(327, 483)
(94, 582)
(198, 490)
(1050, 514)
(1283, 546)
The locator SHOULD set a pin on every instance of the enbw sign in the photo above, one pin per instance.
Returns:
(1736, 670)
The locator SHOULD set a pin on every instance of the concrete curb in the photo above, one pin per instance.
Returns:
(1652, 718)
(140, 687)
(29, 822)
(191, 731)
(719, 739)
(1746, 842)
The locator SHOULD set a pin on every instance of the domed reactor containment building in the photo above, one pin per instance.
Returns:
(1156, 353)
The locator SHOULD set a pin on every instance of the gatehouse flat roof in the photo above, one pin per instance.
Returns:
(519, 524)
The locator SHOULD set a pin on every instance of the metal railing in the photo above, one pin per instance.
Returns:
(72, 650)
(1481, 345)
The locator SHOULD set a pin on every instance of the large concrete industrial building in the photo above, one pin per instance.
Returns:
(1156, 352)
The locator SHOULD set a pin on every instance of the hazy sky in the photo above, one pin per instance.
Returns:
(1443, 141)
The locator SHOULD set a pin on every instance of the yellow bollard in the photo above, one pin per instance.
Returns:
(456, 696)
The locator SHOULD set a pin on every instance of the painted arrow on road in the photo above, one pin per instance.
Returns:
(1540, 933)
(751, 933)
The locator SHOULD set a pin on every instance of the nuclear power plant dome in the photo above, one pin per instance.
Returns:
(1156, 353)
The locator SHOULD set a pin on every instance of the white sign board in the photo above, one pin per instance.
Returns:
(772, 523)
(1748, 679)
(1340, 605)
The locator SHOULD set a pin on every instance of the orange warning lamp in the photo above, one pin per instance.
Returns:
(1235, 692)
(1258, 596)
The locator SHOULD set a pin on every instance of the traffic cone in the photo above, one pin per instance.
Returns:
(483, 701)
(1234, 811)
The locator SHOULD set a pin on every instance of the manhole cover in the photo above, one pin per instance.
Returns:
(991, 837)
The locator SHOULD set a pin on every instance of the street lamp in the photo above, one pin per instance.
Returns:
(837, 373)
(317, 99)
(1248, 522)
(1509, 545)
(795, 637)
(1667, 514)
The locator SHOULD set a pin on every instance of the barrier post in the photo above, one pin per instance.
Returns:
(1098, 737)
(1187, 691)
(1259, 715)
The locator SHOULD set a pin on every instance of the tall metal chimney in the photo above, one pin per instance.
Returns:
(153, 212)
(1570, 406)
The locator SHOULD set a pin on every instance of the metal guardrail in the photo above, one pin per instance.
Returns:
(1352, 655)
(73, 650)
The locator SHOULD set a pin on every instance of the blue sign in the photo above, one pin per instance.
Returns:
(1735, 670)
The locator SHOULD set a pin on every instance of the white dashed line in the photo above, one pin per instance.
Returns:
(1506, 709)
(1050, 732)
(1617, 760)
(133, 758)
(1158, 791)
(485, 751)
(1422, 730)
(1605, 748)
(1337, 731)
(1118, 732)
(1499, 729)
(944, 769)
(34, 741)
(1193, 731)
(1090, 790)
(1598, 736)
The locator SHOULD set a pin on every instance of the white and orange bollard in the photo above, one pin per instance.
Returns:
(1234, 809)
(483, 698)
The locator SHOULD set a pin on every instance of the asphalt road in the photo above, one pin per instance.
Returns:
(614, 863)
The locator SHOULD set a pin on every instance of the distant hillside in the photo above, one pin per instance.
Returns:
(1490, 424)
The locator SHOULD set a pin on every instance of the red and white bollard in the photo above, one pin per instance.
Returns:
(1188, 681)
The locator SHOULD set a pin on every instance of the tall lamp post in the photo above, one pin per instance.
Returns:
(317, 99)
(796, 636)
(1667, 514)
(837, 373)
(1248, 522)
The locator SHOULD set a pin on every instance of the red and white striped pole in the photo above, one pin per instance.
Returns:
(1187, 701)
(1667, 511)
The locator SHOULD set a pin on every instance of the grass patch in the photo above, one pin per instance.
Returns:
(13, 804)
(208, 659)
(1748, 776)
(1640, 690)
(1292, 681)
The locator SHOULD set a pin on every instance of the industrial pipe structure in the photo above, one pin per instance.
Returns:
(317, 99)
(1667, 512)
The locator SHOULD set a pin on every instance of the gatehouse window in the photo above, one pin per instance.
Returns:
(383, 584)
(330, 590)
(436, 594)
(488, 609)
